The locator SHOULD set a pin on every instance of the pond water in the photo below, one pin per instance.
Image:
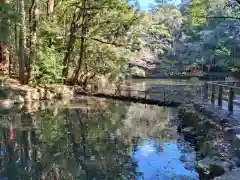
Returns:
(94, 139)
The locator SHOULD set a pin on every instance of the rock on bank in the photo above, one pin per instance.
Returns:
(26, 93)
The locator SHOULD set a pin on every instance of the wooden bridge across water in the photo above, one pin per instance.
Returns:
(175, 94)
(217, 92)
(129, 94)
(224, 91)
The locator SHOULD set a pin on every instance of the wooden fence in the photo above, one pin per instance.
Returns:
(165, 93)
(125, 91)
(223, 90)
(219, 90)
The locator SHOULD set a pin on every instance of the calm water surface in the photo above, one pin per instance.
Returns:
(94, 139)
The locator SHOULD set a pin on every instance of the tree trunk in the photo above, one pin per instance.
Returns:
(4, 57)
(4, 34)
(50, 5)
(81, 57)
(67, 56)
(14, 61)
(82, 45)
(33, 21)
(22, 42)
(71, 42)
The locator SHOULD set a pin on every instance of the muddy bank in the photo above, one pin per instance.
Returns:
(217, 151)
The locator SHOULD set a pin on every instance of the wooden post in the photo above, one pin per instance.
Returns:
(230, 99)
(213, 93)
(145, 94)
(206, 91)
(164, 96)
(220, 93)
(201, 92)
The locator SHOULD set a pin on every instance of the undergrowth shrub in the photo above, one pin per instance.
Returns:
(47, 68)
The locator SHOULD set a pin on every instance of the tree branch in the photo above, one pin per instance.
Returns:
(218, 17)
(112, 43)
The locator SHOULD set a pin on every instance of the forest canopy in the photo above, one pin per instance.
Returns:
(81, 41)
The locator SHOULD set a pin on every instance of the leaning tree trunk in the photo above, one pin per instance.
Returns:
(71, 42)
(22, 42)
(4, 34)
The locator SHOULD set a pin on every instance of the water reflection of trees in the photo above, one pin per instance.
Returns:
(147, 121)
(68, 144)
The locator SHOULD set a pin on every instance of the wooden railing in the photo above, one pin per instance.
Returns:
(160, 92)
(121, 90)
(226, 90)
(215, 90)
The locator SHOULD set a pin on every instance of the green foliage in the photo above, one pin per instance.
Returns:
(197, 11)
(9, 12)
(163, 28)
(111, 35)
(138, 72)
(215, 37)
(47, 69)
(8, 17)
(97, 39)
(223, 52)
